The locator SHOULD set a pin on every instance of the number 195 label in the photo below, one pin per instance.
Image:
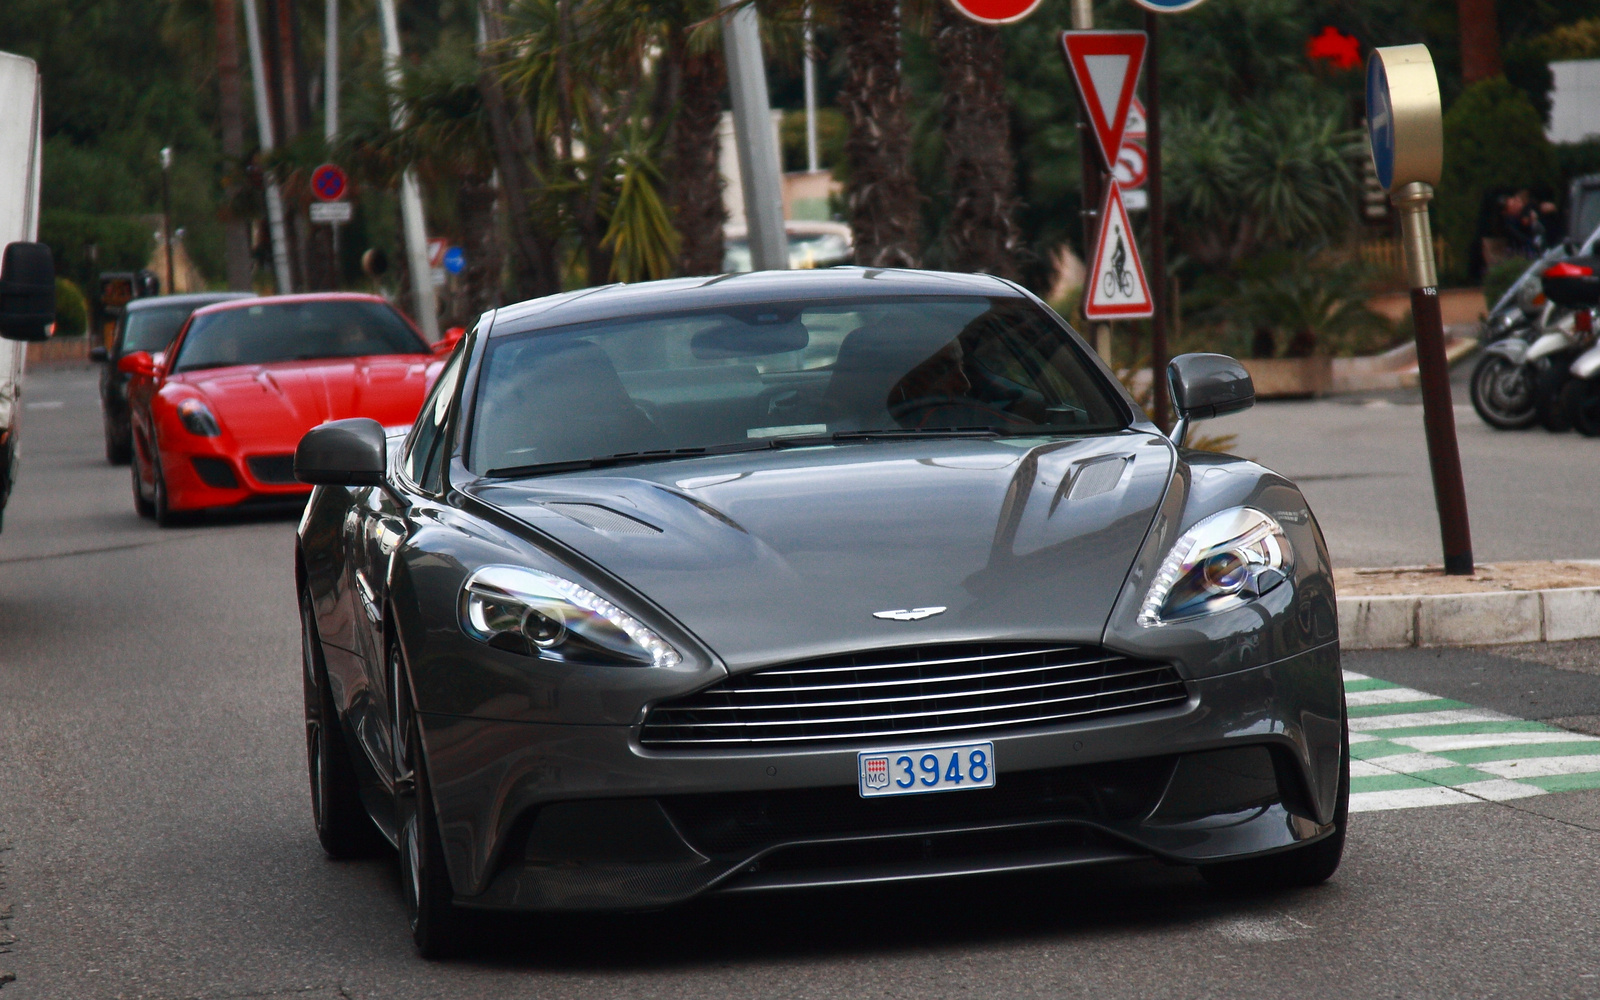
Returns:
(926, 769)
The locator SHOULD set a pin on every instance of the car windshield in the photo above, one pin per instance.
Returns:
(152, 329)
(763, 375)
(295, 331)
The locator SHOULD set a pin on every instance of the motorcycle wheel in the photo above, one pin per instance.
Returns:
(1503, 393)
(1581, 400)
(1552, 414)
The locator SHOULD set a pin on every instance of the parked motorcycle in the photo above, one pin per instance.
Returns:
(1575, 284)
(1529, 343)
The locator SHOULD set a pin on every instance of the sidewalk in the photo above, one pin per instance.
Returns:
(1528, 601)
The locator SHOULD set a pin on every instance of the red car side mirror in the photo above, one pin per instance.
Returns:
(448, 342)
(137, 363)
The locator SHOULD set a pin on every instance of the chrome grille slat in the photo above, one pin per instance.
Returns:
(865, 685)
(912, 692)
(937, 695)
(840, 720)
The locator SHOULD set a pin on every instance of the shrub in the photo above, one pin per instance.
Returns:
(72, 311)
(1493, 138)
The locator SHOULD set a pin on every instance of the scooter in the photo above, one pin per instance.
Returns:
(1576, 284)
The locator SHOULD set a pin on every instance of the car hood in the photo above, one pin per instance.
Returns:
(777, 556)
(273, 405)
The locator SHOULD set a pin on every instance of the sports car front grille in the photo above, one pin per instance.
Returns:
(927, 692)
(276, 470)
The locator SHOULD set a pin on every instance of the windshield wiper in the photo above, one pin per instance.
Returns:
(765, 444)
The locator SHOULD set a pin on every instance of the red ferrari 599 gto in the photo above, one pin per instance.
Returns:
(216, 417)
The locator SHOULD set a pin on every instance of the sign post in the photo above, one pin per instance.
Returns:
(1406, 133)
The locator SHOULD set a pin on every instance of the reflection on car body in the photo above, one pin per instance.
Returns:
(801, 579)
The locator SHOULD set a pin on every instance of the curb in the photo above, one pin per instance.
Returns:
(1469, 619)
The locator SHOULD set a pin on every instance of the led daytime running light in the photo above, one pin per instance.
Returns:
(543, 622)
(1221, 562)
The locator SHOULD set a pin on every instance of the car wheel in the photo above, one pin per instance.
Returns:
(425, 882)
(1296, 868)
(143, 507)
(119, 447)
(343, 826)
(1581, 399)
(164, 514)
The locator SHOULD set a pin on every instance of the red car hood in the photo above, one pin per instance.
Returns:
(269, 407)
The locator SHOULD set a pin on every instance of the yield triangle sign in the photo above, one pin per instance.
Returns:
(1105, 65)
(1117, 286)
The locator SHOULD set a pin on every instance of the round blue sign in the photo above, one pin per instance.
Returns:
(455, 261)
(1168, 6)
(1380, 121)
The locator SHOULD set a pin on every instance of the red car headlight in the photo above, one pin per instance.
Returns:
(198, 419)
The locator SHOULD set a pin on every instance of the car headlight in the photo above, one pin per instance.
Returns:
(539, 614)
(198, 419)
(1220, 563)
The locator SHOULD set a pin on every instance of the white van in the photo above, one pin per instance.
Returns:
(27, 276)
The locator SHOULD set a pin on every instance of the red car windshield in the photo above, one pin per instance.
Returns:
(295, 331)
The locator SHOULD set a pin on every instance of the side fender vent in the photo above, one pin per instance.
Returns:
(603, 518)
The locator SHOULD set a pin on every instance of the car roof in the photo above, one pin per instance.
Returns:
(284, 300)
(192, 299)
(750, 288)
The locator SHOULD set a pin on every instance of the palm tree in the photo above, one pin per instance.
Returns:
(1480, 40)
(981, 232)
(689, 99)
(885, 206)
(230, 108)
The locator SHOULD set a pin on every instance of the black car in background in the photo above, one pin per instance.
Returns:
(145, 325)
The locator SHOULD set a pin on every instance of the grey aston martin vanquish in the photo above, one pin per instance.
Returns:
(804, 579)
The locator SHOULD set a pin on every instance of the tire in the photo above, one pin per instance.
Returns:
(141, 506)
(436, 923)
(1552, 415)
(1503, 393)
(343, 826)
(1299, 867)
(164, 514)
(1581, 399)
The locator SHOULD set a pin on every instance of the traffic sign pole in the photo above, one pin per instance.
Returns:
(1406, 135)
(1158, 218)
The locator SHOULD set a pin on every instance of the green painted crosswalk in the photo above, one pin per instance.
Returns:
(1409, 748)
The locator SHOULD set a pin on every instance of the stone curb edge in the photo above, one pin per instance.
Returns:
(1469, 619)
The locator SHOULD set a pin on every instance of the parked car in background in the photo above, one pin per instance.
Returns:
(811, 245)
(216, 418)
(147, 324)
(807, 578)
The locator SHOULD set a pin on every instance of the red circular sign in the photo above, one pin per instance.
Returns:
(1132, 168)
(329, 183)
(995, 11)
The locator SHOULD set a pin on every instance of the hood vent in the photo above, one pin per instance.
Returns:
(1095, 478)
(603, 518)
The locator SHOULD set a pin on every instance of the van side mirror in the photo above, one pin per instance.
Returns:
(353, 452)
(27, 292)
(1205, 386)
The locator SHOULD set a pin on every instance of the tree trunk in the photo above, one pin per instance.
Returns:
(235, 230)
(533, 259)
(1480, 40)
(692, 173)
(479, 284)
(884, 203)
(981, 234)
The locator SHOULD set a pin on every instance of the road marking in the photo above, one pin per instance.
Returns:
(1410, 749)
(47, 404)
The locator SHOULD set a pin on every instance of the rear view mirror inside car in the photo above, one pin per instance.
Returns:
(737, 339)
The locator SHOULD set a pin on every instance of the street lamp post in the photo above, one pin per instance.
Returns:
(166, 212)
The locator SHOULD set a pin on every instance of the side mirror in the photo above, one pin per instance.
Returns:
(1206, 386)
(353, 452)
(137, 363)
(27, 292)
(99, 353)
(448, 342)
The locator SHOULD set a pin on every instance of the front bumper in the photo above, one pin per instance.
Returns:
(551, 817)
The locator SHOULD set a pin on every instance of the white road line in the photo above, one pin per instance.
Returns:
(1501, 790)
(47, 404)
(1445, 744)
(1374, 723)
(1408, 798)
(1541, 767)
(1351, 675)
(1386, 696)
(1410, 763)
(1366, 769)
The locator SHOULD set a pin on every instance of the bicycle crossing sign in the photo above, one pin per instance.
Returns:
(1117, 286)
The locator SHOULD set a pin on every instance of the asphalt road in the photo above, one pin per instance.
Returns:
(1362, 461)
(155, 836)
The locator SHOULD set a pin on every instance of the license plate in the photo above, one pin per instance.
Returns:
(910, 771)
